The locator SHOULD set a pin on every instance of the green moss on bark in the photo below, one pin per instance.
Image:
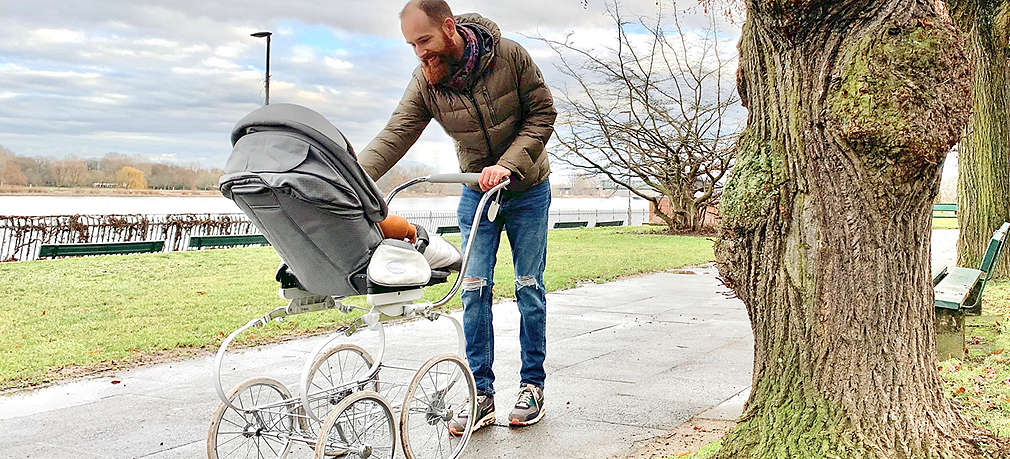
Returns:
(754, 183)
(790, 423)
(892, 89)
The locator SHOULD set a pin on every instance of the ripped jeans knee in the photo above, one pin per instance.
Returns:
(527, 281)
(473, 284)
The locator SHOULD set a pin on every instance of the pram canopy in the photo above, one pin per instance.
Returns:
(296, 177)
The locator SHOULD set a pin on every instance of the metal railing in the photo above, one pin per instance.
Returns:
(21, 236)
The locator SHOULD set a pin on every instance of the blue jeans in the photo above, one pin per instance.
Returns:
(524, 217)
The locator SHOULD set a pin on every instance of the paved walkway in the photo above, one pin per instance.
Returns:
(627, 361)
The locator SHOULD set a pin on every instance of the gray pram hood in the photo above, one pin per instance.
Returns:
(295, 176)
(339, 166)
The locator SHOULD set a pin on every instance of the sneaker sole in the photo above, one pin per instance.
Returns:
(485, 421)
(518, 423)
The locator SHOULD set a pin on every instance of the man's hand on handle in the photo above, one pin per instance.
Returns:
(492, 175)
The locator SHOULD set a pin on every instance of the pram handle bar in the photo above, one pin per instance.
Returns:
(435, 178)
(454, 178)
(469, 242)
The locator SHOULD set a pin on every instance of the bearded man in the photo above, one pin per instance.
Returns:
(490, 97)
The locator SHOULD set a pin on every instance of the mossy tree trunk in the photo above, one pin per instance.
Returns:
(983, 199)
(826, 227)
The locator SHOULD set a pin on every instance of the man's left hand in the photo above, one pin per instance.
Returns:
(493, 175)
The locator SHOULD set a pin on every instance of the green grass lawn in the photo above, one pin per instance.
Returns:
(980, 382)
(71, 316)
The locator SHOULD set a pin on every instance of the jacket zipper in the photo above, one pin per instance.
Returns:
(480, 117)
(490, 108)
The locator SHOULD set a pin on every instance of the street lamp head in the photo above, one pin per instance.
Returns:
(261, 34)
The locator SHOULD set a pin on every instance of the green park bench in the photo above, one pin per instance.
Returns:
(563, 225)
(100, 248)
(610, 223)
(199, 242)
(945, 207)
(958, 291)
(446, 230)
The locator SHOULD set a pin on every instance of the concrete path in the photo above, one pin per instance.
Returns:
(627, 361)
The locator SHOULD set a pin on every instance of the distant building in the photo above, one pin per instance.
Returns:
(709, 214)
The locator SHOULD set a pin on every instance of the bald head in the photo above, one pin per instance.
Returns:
(436, 10)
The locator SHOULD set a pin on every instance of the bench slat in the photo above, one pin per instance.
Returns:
(102, 248)
(227, 240)
(610, 223)
(560, 225)
(953, 289)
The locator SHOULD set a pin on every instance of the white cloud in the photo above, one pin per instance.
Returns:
(301, 54)
(337, 65)
(57, 36)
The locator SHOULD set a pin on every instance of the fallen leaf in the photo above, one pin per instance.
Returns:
(201, 292)
(94, 351)
(997, 352)
(43, 312)
(960, 390)
(116, 381)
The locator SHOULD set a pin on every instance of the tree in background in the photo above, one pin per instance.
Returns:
(10, 171)
(651, 112)
(853, 105)
(131, 177)
(984, 156)
(69, 173)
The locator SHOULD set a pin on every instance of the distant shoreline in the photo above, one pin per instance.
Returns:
(85, 191)
(123, 192)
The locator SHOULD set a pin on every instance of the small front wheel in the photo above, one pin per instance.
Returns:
(261, 426)
(360, 426)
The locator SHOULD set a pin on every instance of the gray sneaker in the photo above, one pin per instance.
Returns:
(529, 407)
(485, 416)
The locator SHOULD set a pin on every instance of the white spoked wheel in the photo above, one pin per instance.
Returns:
(441, 389)
(260, 428)
(331, 373)
(360, 426)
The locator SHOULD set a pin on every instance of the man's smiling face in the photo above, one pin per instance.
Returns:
(432, 42)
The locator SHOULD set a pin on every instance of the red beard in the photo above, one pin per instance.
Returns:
(436, 64)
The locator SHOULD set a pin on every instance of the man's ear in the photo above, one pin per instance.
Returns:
(449, 27)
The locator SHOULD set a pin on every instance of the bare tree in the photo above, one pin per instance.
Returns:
(650, 112)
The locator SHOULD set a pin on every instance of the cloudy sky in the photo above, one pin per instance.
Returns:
(167, 80)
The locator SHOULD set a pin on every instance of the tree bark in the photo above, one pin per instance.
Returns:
(983, 181)
(826, 227)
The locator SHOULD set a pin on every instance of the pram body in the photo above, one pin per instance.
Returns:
(295, 176)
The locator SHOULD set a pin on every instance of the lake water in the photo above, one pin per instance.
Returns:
(67, 205)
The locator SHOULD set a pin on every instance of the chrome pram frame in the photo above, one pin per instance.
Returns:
(359, 399)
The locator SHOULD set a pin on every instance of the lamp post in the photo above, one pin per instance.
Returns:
(267, 35)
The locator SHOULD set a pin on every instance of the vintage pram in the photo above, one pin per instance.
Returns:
(296, 177)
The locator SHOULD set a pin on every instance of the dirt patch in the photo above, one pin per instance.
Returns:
(684, 439)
